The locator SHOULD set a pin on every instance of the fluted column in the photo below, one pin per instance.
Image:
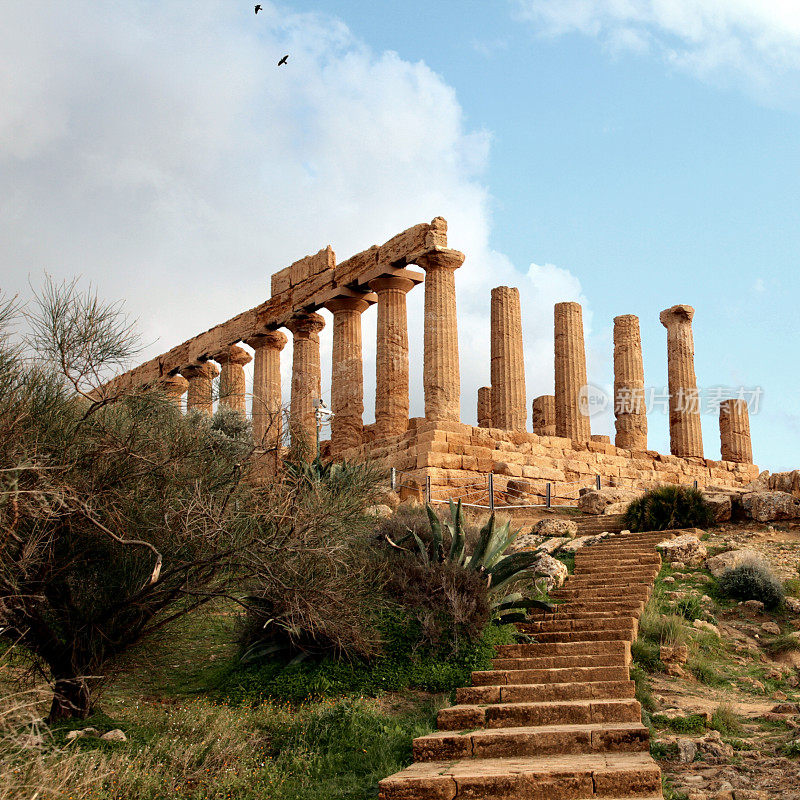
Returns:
(629, 402)
(441, 379)
(232, 392)
(734, 432)
(570, 373)
(485, 407)
(685, 435)
(174, 387)
(306, 386)
(347, 373)
(267, 400)
(509, 406)
(391, 355)
(543, 415)
(201, 386)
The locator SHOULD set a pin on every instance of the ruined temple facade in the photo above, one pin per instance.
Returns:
(439, 447)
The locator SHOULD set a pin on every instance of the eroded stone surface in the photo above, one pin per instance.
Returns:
(509, 408)
(630, 411)
(570, 373)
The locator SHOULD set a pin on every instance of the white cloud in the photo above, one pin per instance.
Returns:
(756, 39)
(157, 150)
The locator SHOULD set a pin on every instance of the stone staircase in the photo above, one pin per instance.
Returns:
(556, 719)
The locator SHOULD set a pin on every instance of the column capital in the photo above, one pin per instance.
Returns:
(204, 369)
(676, 315)
(439, 258)
(274, 340)
(233, 355)
(303, 326)
(357, 304)
(174, 384)
(388, 282)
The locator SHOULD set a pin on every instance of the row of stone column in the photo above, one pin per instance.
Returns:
(565, 414)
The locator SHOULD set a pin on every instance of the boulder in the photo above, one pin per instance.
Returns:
(760, 484)
(768, 506)
(792, 604)
(720, 504)
(755, 606)
(381, 512)
(702, 625)
(391, 499)
(712, 745)
(731, 559)
(596, 501)
(788, 482)
(556, 527)
(114, 736)
(771, 628)
(554, 572)
(686, 548)
(674, 654)
(687, 750)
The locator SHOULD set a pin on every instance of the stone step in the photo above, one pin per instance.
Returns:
(561, 777)
(635, 590)
(546, 649)
(624, 736)
(560, 662)
(534, 713)
(582, 674)
(566, 614)
(593, 570)
(560, 623)
(600, 580)
(595, 636)
(628, 607)
(544, 692)
(616, 561)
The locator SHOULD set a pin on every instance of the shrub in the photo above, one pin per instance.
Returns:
(752, 581)
(669, 507)
(726, 721)
(667, 629)
(646, 654)
(785, 643)
(689, 608)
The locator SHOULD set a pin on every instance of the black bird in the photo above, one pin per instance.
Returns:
(258, 8)
(283, 60)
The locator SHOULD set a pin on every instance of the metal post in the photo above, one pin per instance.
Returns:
(695, 484)
(428, 489)
(393, 474)
(597, 482)
(547, 495)
(491, 491)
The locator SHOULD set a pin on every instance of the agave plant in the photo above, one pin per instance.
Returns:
(488, 558)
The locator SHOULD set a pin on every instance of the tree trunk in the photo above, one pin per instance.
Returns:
(70, 700)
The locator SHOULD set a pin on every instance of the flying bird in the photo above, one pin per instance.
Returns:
(283, 60)
(259, 8)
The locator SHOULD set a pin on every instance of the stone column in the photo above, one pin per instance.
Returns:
(630, 411)
(306, 387)
(201, 393)
(685, 435)
(391, 356)
(175, 387)
(232, 392)
(734, 432)
(570, 373)
(485, 407)
(509, 406)
(267, 400)
(347, 373)
(543, 415)
(441, 380)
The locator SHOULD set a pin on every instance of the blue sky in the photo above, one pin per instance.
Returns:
(627, 155)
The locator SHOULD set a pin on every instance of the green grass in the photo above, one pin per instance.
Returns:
(693, 723)
(726, 721)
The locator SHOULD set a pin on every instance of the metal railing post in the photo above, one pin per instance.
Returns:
(597, 482)
(547, 495)
(695, 484)
(394, 478)
(491, 491)
(428, 489)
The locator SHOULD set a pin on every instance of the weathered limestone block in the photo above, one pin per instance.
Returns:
(485, 407)
(769, 506)
(556, 527)
(308, 267)
(718, 564)
(599, 438)
(629, 402)
(686, 548)
(201, 386)
(507, 360)
(553, 571)
(570, 373)
(686, 437)
(596, 500)
(720, 504)
(175, 386)
(306, 386)
(391, 355)
(441, 378)
(232, 392)
(347, 373)
(784, 482)
(267, 402)
(543, 415)
(734, 432)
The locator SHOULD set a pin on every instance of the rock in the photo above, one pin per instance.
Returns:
(596, 500)
(616, 508)
(697, 795)
(674, 654)
(720, 504)
(556, 527)
(411, 501)
(554, 571)
(411, 494)
(686, 548)
(72, 735)
(712, 745)
(687, 750)
(785, 708)
(551, 545)
(788, 482)
(677, 565)
(391, 499)
(570, 546)
(114, 736)
(760, 484)
(669, 579)
(753, 605)
(381, 512)
(768, 506)
(716, 565)
(702, 625)
(771, 628)
(793, 604)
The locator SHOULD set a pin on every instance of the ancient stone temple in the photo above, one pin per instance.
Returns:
(439, 449)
